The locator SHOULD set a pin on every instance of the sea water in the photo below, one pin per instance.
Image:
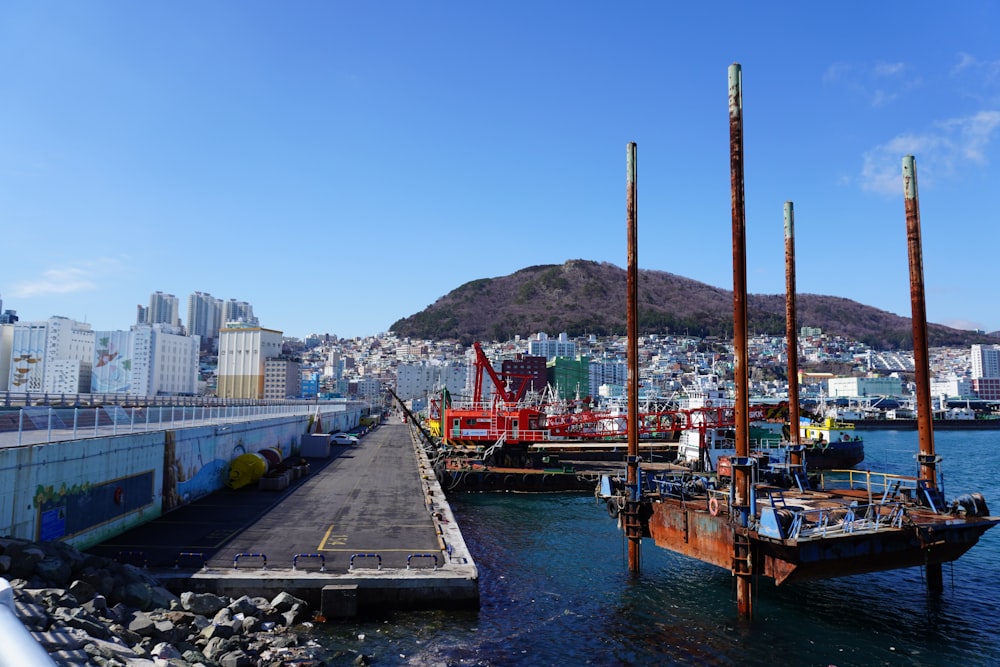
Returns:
(555, 590)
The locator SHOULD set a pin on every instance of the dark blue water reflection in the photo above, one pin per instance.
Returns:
(555, 591)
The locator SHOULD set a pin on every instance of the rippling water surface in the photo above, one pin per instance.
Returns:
(556, 591)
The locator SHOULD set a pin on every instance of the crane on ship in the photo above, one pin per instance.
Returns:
(507, 419)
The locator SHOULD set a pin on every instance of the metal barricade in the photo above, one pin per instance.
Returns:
(236, 559)
(412, 556)
(320, 557)
(376, 556)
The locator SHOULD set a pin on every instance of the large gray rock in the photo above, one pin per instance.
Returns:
(136, 594)
(23, 560)
(236, 658)
(82, 590)
(54, 570)
(141, 624)
(217, 646)
(165, 651)
(283, 601)
(205, 604)
(80, 618)
(244, 605)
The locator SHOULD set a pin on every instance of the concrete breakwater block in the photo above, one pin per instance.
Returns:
(339, 601)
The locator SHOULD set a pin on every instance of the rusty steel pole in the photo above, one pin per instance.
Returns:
(791, 335)
(741, 479)
(632, 471)
(925, 414)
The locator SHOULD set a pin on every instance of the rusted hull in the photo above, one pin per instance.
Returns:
(861, 554)
(684, 529)
(692, 530)
(836, 456)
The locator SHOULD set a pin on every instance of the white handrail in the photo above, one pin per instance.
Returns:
(19, 647)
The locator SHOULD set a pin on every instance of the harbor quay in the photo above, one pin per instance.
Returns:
(368, 522)
(364, 529)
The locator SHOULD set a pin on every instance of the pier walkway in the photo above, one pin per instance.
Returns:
(367, 528)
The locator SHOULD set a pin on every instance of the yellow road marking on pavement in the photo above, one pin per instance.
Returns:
(331, 538)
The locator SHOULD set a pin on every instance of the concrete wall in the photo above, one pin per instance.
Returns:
(86, 491)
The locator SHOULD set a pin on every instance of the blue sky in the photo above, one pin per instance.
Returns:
(341, 165)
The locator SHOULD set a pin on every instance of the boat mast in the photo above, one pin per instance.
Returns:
(925, 414)
(632, 530)
(741, 473)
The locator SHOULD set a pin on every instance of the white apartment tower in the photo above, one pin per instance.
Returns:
(52, 356)
(242, 353)
(418, 380)
(237, 311)
(540, 345)
(986, 361)
(149, 360)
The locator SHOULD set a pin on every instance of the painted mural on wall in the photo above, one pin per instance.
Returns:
(26, 370)
(196, 461)
(67, 511)
(112, 372)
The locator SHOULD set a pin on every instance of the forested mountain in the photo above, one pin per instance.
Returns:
(585, 297)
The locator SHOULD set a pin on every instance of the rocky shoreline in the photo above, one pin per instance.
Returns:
(91, 610)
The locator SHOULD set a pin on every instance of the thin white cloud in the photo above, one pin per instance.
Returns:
(941, 152)
(887, 69)
(965, 61)
(881, 84)
(81, 277)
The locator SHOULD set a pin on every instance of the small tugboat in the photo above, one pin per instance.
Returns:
(831, 444)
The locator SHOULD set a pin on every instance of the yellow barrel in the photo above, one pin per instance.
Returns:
(246, 469)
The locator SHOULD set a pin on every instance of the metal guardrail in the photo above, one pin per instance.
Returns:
(236, 559)
(72, 423)
(378, 557)
(320, 557)
(19, 647)
(412, 556)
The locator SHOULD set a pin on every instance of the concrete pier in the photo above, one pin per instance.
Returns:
(366, 529)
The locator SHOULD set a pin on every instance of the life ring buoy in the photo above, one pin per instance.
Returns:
(119, 495)
(713, 506)
(708, 403)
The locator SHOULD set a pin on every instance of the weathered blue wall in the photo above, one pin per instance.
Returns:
(86, 491)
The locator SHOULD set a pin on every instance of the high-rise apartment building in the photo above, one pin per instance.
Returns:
(204, 319)
(163, 309)
(54, 355)
(985, 361)
(237, 311)
(986, 371)
(540, 345)
(149, 360)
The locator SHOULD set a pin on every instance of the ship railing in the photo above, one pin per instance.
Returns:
(854, 519)
(879, 484)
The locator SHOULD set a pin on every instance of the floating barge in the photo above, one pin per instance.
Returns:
(807, 528)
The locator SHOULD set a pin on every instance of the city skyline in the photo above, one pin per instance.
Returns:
(342, 166)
